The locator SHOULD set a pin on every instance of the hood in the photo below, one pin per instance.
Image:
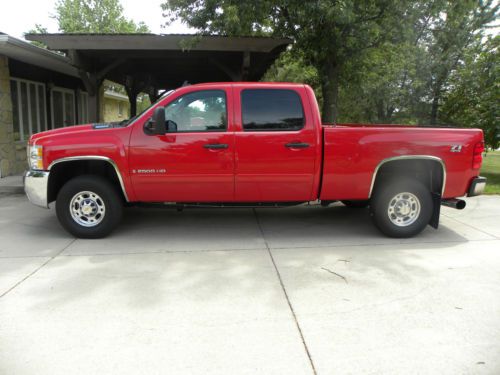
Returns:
(71, 130)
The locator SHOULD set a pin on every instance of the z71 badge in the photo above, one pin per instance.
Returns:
(456, 148)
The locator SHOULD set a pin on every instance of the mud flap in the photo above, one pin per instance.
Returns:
(436, 210)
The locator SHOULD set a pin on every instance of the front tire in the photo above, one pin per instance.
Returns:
(89, 207)
(401, 208)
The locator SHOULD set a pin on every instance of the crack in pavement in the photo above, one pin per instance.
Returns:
(36, 269)
(286, 294)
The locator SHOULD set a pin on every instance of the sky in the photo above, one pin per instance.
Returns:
(19, 16)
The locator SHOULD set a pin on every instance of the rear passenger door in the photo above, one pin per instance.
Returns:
(276, 145)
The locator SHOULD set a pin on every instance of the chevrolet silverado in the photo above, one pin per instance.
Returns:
(250, 144)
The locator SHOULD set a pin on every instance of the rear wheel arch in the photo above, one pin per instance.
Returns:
(429, 170)
(65, 169)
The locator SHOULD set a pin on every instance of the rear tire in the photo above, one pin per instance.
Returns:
(89, 207)
(401, 208)
(356, 204)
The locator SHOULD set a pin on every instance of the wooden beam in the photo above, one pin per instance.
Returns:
(233, 76)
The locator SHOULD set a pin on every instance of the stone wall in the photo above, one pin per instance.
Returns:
(12, 154)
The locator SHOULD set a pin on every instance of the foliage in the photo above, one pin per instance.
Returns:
(491, 170)
(474, 94)
(94, 16)
(373, 60)
(38, 29)
(328, 34)
(143, 102)
(291, 67)
(458, 25)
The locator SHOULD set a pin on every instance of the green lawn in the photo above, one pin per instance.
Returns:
(491, 170)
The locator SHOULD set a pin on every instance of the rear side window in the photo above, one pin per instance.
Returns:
(271, 110)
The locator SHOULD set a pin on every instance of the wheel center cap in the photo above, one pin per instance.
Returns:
(87, 208)
(404, 208)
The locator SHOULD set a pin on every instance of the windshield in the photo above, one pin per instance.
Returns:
(133, 118)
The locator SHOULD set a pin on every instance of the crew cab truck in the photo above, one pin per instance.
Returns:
(250, 144)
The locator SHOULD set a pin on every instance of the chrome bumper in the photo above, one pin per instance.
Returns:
(35, 187)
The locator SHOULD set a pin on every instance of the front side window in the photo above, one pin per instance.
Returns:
(271, 110)
(201, 111)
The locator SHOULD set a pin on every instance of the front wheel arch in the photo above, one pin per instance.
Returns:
(63, 170)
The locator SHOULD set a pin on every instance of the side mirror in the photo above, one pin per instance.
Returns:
(171, 126)
(158, 121)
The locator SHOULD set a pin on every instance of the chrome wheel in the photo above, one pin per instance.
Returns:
(87, 209)
(404, 209)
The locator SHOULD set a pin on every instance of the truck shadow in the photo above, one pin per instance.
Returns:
(220, 255)
(232, 229)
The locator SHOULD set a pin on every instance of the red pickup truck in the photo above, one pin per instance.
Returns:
(250, 144)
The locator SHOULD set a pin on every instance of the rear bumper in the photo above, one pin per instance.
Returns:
(476, 186)
(35, 187)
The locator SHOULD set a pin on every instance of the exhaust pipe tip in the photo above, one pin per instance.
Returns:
(458, 204)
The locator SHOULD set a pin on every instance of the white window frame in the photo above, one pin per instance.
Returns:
(63, 91)
(38, 86)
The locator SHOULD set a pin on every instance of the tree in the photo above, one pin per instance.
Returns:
(328, 34)
(290, 67)
(94, 16)
(474, 93)
(458, 26)
(38, 29)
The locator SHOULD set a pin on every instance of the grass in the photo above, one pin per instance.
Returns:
(491, 170)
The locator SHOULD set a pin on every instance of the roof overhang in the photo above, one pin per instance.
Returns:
(26, 52)
(187, 42)
(166, 61)
(115, 95)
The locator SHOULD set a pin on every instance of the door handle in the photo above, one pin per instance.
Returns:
(216, 146)
(297, 145)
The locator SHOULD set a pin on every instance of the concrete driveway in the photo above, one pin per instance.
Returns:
(239, 291)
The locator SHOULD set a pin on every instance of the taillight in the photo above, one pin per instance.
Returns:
(477, 157)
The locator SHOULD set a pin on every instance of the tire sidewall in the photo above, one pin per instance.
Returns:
(383, 196)
(109, 197)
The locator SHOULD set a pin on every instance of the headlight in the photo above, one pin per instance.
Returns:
(35, 157)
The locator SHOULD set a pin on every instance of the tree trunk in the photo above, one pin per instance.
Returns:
(330, 91)
(435, 106)
(436, 97)
(132, 99)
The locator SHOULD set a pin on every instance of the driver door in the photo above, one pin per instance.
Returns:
(195, 162)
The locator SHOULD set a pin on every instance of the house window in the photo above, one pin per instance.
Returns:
(63, 107)
(28, 108)
(120, 109)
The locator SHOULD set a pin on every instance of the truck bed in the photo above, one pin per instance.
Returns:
(352, 153)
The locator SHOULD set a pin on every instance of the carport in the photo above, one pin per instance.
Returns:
(149, 63)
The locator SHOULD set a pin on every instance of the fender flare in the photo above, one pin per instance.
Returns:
(409, 157)
(94, 157)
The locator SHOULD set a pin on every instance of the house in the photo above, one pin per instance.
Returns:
(41, 90)
(116, 106)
